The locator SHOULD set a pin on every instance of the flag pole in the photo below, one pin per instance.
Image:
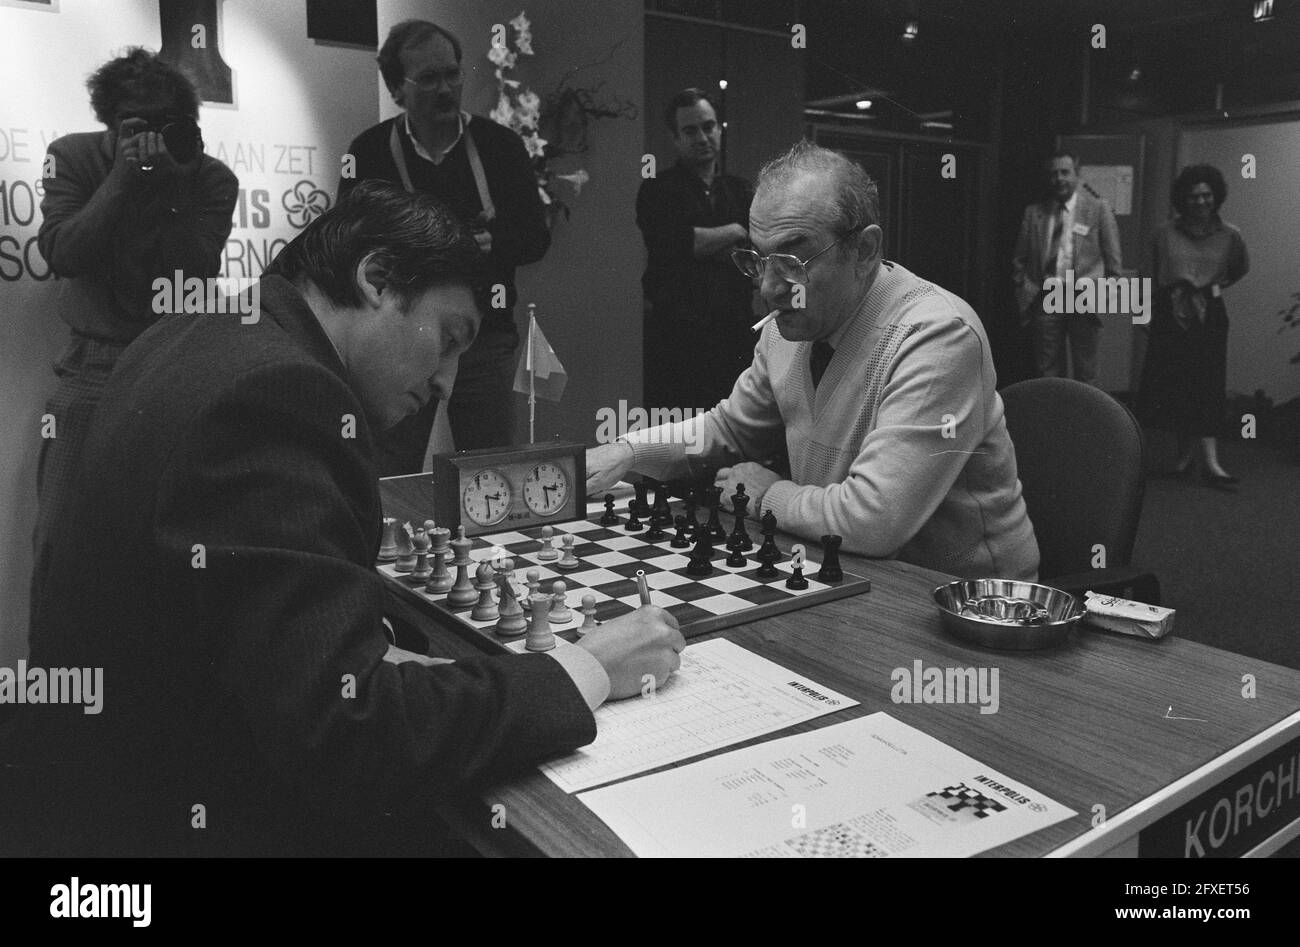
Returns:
(532, 374)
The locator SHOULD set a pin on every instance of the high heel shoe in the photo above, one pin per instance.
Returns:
(1218, 481)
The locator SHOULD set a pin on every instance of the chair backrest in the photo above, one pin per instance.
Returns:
(1079, 454)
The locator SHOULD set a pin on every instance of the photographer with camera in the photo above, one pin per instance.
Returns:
(121, 208)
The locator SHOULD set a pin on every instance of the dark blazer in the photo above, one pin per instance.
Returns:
(218, 563)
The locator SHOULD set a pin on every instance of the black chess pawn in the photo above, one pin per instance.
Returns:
(682, 539)
(641, 507)
(766, 565)
(830, 570)
(633, 525)
(610, 518)
(768, 553)
(796, 580)
(692, 524)
(736, 558)
(715, 529)
(661, 513)
(739, 538)
(656, 533)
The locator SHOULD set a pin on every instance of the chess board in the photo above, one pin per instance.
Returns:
(610, 558)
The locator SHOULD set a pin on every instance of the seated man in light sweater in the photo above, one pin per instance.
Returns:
(881, 383)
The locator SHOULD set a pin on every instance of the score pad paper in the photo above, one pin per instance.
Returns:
(720, 696)
(869, 788)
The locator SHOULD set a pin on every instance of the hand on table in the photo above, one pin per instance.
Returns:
(756, 479)
(645, 642)
(607, 465)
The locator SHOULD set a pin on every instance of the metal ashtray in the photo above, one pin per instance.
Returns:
(1006, 614)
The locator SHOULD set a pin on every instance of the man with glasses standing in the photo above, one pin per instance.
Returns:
(481, 171)
(880, 383)
(699, 309)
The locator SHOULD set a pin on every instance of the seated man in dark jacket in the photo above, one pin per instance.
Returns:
(226, 527)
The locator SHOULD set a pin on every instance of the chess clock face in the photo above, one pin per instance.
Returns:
(486, 498)
(546, 488)
(514, 488)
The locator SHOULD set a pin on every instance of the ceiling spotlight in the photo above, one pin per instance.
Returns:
(722, 84)
(1262, 11)
(1135, 74)
(910, 30)
(863, 104)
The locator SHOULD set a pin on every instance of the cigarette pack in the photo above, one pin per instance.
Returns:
(1128, 618)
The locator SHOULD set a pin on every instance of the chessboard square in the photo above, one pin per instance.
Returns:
(630, 569)
(723, 604)
(623, 542)
(730, 582)
(686, 613)
(593, 577)
(586, 532)
(633, 600)
(763, 594)
(619, 589)
(608, 611)
(522, 548)
(607, 560)
(753, 576)
(691, 590)
(671, 559)
(644, 552)
(664, 580)
(572, 526)
(508, 538)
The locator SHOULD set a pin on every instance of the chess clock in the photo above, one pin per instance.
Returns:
(510, 488)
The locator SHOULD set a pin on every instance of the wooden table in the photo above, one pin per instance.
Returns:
(1089, 724)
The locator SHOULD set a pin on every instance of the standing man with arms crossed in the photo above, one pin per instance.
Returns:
(1071, 230)
(480, 170)
(697, 330)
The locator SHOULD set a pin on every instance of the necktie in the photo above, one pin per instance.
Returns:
(1054, 248)
(820, 358)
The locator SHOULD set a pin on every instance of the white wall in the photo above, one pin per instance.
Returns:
(297, 106)
(1266, 209)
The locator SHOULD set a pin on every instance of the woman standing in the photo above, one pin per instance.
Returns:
(1194, 256)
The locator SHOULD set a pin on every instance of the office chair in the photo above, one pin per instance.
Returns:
(1080, 458)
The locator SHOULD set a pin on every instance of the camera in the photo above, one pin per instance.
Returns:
(179, 132)
(181, 136)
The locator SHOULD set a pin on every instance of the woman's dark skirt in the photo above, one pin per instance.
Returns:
(1185, 373)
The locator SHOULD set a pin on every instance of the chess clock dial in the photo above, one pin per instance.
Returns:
(546, 488)
(497, 489)
(486, 497)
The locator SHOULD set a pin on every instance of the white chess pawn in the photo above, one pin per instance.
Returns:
(533, 579)
(568, 560)
(560, 612)
(588, 614)
(547, 552)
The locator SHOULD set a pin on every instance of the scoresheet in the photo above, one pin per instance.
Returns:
(869, 788)
(720, 696)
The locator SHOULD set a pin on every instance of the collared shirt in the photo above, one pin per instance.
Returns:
(1065, 252)
(461, 121)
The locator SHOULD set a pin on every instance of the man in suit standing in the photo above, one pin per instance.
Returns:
(1070, 231)
(229, 496)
